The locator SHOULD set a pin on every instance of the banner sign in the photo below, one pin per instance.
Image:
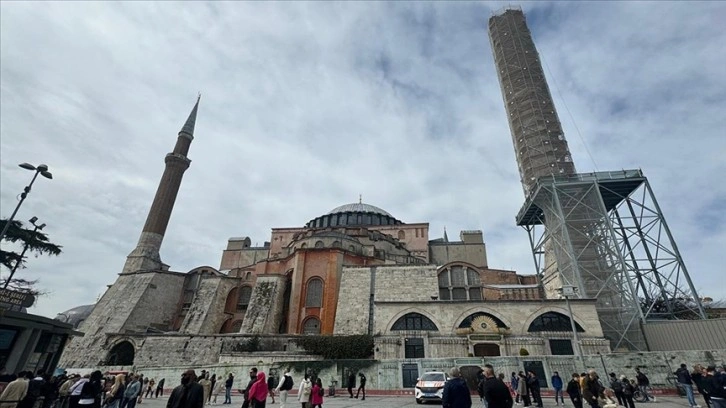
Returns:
(15, 298)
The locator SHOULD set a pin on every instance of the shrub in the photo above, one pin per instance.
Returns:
(338, 347)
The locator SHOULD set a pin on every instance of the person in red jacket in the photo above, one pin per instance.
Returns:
(258, 392)
(316, 398)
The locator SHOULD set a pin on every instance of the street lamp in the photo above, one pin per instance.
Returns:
(568, 291)
(41, 169)
(25, 248)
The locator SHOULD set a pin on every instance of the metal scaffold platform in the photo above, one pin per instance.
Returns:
(605, 234)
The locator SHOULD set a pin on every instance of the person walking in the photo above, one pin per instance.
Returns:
(250, 383)
(456, 392)
(318, 391)
(189, 394)
(228, 389)
(91, 392)
(574, 391)
(496, 393)
(257, 393)
(617, 388)
(116, 394)
(715, 386)
(283, 387)
(304, 391)
(15, 391)
(218, 389)
(698, 375)
(213, 382)
(514, 383)
(628, 392)
(351, 383)
(685, 382)
(557, 385)
(160, 388)
(643, 384)
(271, 387)
(523, 390)
(534, 388)
(593, 390)
(131, 393)
(206, 387)
(362, 386)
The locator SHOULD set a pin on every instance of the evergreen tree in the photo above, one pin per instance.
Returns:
(37, 243)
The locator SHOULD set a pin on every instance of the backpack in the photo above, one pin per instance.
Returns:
(287, 383)
(307, 387)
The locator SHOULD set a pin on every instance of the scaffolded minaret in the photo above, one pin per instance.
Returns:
(601, 236)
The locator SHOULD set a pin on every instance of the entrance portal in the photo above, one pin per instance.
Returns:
(121, 354)
(486, 350)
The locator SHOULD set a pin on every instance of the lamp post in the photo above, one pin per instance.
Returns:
(567, 291)
(25, 248)
(41, 169)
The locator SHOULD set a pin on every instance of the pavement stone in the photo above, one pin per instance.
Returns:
(398, 402)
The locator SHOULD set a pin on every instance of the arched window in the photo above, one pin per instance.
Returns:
(401, 235)
(351, 248)
(314, 293)
(311, 326)
(243, 300)
(459, 283)
(303, 245)
(337, 244)
(553, 322)
(236, 326)
(480, 321)
(319, 244)
(414, 321)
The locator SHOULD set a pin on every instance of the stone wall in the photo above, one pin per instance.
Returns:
(134, 302)
(353, 301)
(206, 314)
(443, 253)
(395, 283)
(266, 299)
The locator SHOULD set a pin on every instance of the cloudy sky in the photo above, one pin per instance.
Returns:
(307, 105)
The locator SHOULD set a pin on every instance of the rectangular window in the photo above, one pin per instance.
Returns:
(475, 294)
(414, 348)
(561, 347)
(458, 294)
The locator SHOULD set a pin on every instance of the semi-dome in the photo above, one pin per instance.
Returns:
(75, 316)
(354, 214)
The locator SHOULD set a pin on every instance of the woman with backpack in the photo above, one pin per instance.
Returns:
(303, 393)
(316, 398)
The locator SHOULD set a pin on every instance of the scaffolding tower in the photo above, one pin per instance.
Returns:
(602, 233)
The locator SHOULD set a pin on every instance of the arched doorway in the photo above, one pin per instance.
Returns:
(121, 354)
(486, 350)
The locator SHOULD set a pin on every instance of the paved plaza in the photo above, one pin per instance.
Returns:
(397, 402)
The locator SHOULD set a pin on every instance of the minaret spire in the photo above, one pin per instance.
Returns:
(146, 254)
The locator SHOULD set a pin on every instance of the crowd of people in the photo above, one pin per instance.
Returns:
(523, 388)
(94, 390)
(126, 390)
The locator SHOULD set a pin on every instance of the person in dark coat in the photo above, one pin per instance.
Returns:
(715, 386)
(628, 392)
(362, 386)
(533, 384)
(187, 395)
(456, 392)
(573, 390)
(496, 393)
(250, 383)
(593, 390)
(351, 383)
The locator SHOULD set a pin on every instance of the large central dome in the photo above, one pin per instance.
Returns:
(354, 214)
(359, 207)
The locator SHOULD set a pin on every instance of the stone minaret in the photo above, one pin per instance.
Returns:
(146, 254)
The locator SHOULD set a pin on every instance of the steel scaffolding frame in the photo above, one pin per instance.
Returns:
(604, 233)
